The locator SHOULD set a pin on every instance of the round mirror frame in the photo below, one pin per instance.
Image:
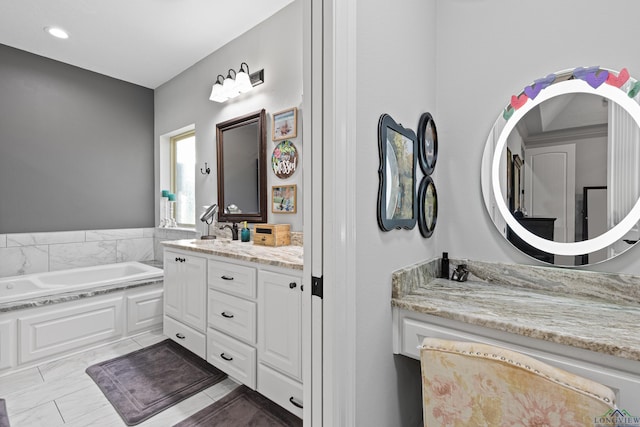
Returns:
(426, 120)
(423, 220)
(617, 87)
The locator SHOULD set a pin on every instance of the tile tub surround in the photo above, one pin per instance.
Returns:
(280, 256)
(25, 253)
(583, 309)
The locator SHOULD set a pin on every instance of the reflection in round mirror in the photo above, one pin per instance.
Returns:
(561, 167)
(393, 181)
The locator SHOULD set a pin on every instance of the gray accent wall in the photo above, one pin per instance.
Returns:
(76, 148)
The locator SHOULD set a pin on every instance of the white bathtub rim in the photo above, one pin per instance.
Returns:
(53, 293)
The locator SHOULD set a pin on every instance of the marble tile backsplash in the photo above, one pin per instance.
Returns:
(25, 253)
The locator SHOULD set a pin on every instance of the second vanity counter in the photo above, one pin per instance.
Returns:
(598, 312)
(583, 322)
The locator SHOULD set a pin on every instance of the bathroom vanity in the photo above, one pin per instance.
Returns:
(583, 322)
(239, 306)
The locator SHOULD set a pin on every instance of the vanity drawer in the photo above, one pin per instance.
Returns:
(187, 337)
(233, 315)
(233, 357)
(281, 389)
(232, 278)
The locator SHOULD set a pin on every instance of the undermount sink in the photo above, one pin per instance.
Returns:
(210, 242)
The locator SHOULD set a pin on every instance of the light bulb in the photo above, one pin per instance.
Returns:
(243, 82)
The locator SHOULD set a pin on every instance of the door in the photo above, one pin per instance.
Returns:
(315, 18)
(550, 176)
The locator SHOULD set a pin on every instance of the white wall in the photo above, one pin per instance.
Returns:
(461, 60)
(276, 46)
(489, 50)
(395, 45)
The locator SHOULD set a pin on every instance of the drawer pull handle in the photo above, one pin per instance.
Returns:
(295, 403)
(225, 277)
(227, 358)
(292, 285)
(227, 315)
(179, 335)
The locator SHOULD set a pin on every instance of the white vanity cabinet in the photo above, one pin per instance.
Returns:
(252, 329)
(621, 375)
(279, 338)
(232, 311)
(185, 312)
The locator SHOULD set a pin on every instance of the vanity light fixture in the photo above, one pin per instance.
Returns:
(229, 86)
(56, 32)
(242, 81)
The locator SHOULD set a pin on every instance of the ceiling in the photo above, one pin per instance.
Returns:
(146, 42)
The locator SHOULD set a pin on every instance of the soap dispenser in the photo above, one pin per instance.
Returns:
(245, 233)
(444, 265)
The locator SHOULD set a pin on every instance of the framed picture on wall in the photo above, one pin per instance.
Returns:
(283, 199)
(517, 183)
(285, 124)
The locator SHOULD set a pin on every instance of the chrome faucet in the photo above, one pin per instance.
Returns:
(233, 228)
(208, 217)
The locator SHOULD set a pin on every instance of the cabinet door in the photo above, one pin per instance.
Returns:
(194, 292)
(7, 343)
(185, 287)
(172, 295)
(279, 333)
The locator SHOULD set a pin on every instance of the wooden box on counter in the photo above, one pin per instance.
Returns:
(272, 234)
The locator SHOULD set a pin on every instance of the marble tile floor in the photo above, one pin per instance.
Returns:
(60, 393)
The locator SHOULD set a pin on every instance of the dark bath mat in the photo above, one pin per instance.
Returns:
(4, 418)
(242, 407)
(148, 381)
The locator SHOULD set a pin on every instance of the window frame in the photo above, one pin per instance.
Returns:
(173, 142)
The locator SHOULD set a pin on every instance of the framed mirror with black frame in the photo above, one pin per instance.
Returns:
(396, 207)
(242, 178)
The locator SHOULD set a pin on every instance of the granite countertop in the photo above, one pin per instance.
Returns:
(280, 256)
(73, 295)
(581, 309)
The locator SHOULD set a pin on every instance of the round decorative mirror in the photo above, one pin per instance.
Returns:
(561, 167)
(427, 206)
(427, 143)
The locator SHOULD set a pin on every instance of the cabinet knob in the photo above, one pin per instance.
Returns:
(292, 285)
(225, 357)
(227, 315)
(179, 335)
(295, 402)
(225, 277)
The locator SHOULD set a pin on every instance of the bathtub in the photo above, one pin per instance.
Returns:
(17, 288)
(45, 316)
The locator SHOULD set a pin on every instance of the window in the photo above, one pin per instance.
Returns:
(183, 174)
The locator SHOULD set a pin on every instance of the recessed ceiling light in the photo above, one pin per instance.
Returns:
(57, 32)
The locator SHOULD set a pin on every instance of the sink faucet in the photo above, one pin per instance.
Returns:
(233, 228)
